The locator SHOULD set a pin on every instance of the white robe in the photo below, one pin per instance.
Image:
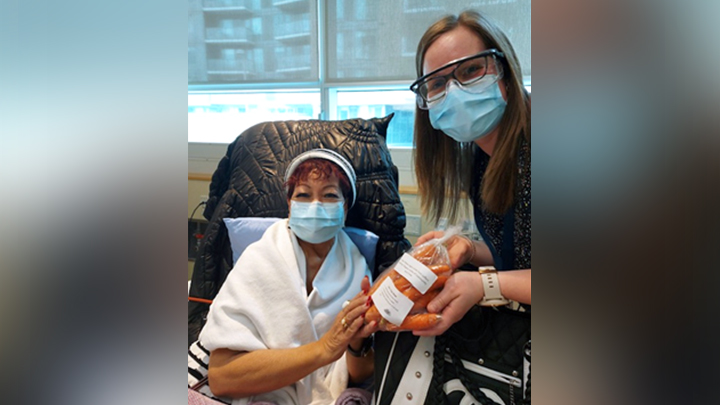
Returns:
(264, 304)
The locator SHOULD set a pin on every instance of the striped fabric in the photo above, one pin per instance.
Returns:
(198, 359)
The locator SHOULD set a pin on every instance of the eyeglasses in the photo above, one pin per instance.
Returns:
(474, 73)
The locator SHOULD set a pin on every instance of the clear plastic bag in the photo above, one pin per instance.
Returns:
(401, 294)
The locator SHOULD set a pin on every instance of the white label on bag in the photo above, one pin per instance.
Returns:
(391, 303)
(416, 273)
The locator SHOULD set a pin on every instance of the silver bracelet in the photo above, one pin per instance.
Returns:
(472, 245)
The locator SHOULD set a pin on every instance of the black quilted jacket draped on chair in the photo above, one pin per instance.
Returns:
(248, 182)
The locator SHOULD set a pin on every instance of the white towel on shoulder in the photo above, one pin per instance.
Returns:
(264, 304)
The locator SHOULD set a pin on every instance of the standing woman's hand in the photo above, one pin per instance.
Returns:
(460, 249)
(462, 290)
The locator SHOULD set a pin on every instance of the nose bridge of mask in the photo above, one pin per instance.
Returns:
(460, 93)
(455, 85)
(475, 88)
(452, 82)
(317, 209)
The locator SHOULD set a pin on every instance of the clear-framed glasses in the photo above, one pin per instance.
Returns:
(473, 73)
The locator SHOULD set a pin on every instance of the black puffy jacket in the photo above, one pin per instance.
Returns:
(248, 182)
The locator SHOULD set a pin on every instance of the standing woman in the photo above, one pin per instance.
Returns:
(472, 136)
(472, 140)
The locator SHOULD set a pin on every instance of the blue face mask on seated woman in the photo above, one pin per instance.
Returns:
(466, 116)
(316, 222)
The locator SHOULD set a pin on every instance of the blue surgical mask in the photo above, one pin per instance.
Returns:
(466, 116)
(316, 222)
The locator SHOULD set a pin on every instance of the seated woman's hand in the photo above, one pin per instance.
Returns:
(349, 324)
(370, 327)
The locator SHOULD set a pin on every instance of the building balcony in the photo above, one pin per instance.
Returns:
(292, 31)
(231, 7)
(239, 35)
(423, 6)
(293, 63)
(292, 6)
(224, 66)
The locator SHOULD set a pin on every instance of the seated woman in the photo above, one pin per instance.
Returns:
(295, 300)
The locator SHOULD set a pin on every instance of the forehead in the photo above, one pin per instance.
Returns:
(316, 178)
(452, 45)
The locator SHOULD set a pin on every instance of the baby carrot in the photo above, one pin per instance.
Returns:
(424, 254)
(422, 302)
(403, 284)
(415, 322)
(394, 276)
(413, 293)
(372, 314)
(439, 268)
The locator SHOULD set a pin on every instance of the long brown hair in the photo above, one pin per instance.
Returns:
(444, 167)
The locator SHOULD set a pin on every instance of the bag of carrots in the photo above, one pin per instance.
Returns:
(401, 294)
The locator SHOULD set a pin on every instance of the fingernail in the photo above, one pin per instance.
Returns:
(362, 316)
(368, 301)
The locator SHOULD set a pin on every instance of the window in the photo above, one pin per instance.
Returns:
(260, 60)
(379, 103)
(219, 117)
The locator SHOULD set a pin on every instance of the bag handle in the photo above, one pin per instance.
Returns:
(199, 384)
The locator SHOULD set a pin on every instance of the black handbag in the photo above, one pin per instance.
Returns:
(487, 355)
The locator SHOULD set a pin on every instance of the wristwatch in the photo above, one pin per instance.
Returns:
(491, 284)
(364, 349)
